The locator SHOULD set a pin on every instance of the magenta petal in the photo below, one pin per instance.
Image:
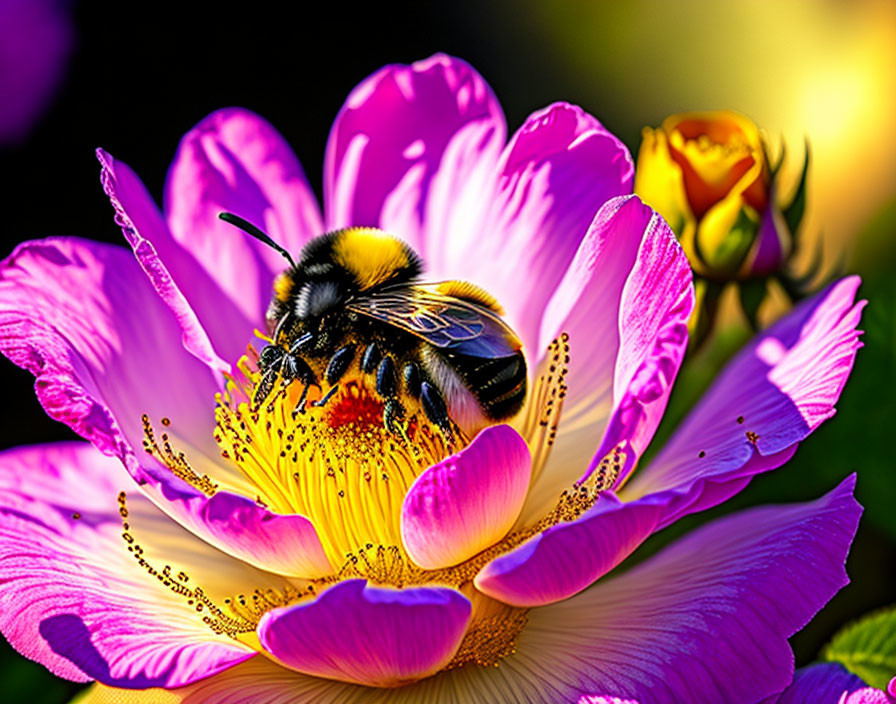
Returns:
(829, 683)
(706, 620)
(282, 544)
(234, 161)
(624, 301)
(774, 393)
(67, 315)
(72, 596)
(407, 134)
(557, 171)
(653, 338)
(468, 501)
(568, 557)
(184, 286)
(368, 635)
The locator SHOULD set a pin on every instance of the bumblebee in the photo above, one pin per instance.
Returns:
(353, 302)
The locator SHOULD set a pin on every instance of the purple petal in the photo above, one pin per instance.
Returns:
(103, 347)
(368, 635)
(99, 368)
(704, 621)
(557, 171)
(234, 161)
(74, 599)
(408, 135)
(774, 393)
(829, 683)
(468, 501)
(568, 557)
(211, 324)
(769, 254)
(624, 301)
(256, 681)
(282, 544)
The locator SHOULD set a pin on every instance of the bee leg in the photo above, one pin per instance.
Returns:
(386, 382)
(412, 380)
(295, 368)
(370, 358)
(303, 401)
(339, 364)
(434, 406)
(271, 356)
(296, 346)
(393, 412)
(323, 400)
(265, 386)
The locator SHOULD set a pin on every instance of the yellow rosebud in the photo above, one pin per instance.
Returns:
(708, 175)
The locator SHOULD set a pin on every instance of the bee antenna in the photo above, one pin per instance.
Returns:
(250, 229)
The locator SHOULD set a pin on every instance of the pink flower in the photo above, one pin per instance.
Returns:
(261, 560)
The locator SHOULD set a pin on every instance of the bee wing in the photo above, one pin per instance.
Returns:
(443, 321)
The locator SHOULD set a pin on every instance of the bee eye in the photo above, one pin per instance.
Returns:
(317, 297)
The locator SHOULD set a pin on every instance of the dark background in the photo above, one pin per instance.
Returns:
(141, 74)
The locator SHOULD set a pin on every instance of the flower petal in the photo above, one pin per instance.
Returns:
(84, 320)
(77, 601)
(557, 171)
(624, 301)
(282, 544)
(235, 161)
(368, 635)
(468, 501)
(406, 135)
(774, 393)
(208, 319)
(705, 621)
(100, 367)
(829, 683)
(568, 557)
(256, 681)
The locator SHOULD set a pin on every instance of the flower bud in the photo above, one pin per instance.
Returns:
(708, 175)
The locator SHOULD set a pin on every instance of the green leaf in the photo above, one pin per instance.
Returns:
(867, 648)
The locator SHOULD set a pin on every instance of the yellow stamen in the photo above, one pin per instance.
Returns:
(332, 460)
(238, 616)
(336, 464)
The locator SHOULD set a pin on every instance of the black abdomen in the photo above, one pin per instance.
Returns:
(498, 383)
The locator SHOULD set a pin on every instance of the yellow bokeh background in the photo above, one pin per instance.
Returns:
(823, 70)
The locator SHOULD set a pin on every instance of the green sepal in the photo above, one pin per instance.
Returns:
(867, 647)
(793, 213)
(729, 254)
(752, 294)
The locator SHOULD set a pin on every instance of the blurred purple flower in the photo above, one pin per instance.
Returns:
(36, 38)
(831, 683)
(247, 594)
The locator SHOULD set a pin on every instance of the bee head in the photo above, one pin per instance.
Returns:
(340, 265)
(335, 267)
